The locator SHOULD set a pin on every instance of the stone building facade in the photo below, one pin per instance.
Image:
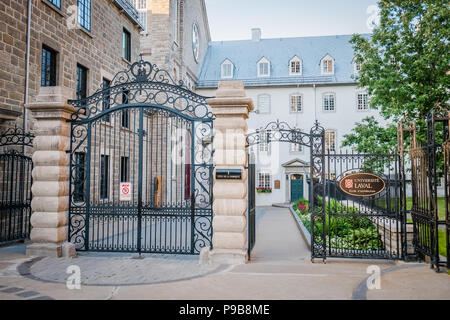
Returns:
(176, 36)
(55, 25)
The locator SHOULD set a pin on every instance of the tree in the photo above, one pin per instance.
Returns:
(404, 67)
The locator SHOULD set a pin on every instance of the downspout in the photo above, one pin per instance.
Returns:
(27, 71)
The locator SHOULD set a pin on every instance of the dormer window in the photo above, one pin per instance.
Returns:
(264, 68)
(327, 65)
(227, 69)
(295, 66)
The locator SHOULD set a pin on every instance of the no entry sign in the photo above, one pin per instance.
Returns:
(126, 191)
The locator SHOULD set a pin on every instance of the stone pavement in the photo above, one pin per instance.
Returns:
(280, 268)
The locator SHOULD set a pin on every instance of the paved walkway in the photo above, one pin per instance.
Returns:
(280, 269)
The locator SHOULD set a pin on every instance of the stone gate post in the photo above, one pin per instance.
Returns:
(50, 186)
(231, 107)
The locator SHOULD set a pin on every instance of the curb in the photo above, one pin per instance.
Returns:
(305, 233)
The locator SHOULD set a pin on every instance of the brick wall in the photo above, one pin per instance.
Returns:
(100, 50)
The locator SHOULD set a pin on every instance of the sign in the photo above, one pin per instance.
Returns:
(362, 184)
(126, 191)
(277, 184)
(228, 174)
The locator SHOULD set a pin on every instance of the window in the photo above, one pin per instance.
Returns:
(330, 140)
(79, 179)
(329, 102)
(56, 3)
(295, 66)
(363, 101)
(126, 45)
(295, 147)
(48, 68)
(175, 21)
(227, 69)
(124, 169)
(125, 112)
(263, 68)
(264, 142)
(104, 177)
(141, 6)
(264, 180)
(263, 103)
(195, 42)
(84, 14)
(357, 67)
(106, 99)
(296, 103)
(81, 82)
(327, 65)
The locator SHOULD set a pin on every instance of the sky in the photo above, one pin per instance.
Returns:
(234, 19)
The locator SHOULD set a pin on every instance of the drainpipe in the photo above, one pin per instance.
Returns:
(315, 103)
(27, 71)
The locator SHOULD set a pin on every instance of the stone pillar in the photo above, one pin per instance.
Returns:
(231, 108)
(50, 187)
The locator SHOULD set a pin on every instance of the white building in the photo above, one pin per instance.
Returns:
(295, 80)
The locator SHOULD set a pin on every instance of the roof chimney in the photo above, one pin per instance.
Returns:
(256, 34)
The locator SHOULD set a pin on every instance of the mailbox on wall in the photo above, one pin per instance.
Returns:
(228, 174)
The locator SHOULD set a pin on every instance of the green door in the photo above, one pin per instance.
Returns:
(296, 187)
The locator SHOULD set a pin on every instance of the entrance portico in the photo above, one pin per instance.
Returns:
(296, 172)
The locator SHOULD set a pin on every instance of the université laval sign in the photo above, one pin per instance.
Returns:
(362, 184)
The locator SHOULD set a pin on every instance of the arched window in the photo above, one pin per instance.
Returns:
(295, 66)
(264, 68)
(227, 69)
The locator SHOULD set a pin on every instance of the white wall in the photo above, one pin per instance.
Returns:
(342, 120)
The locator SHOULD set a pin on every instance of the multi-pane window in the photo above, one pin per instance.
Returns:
(126, 45)
(264, 180)
(295, 147)
(48, 68)
(329, 102)
(363, 101)
(141, 6)
(81, 82)
(263, 69)
(296, 103)
(263, 103)
(264, 141)
(330, 140)
(125, 112)
(106, 98)
(104, 177)
(327, 66)
(79, 179)
(296, 67)
(56, 3)
(124, 169)
(227, 70)
(84, 14)
(175, 21)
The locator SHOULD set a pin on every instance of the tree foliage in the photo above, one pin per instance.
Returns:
(404, 67)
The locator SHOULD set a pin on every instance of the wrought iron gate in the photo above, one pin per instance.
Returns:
(141, 166)
(16, 180)
(251, 206)
(341, 224)
(430, 220)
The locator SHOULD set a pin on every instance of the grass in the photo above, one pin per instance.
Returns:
(440, 203)
(442, 243)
